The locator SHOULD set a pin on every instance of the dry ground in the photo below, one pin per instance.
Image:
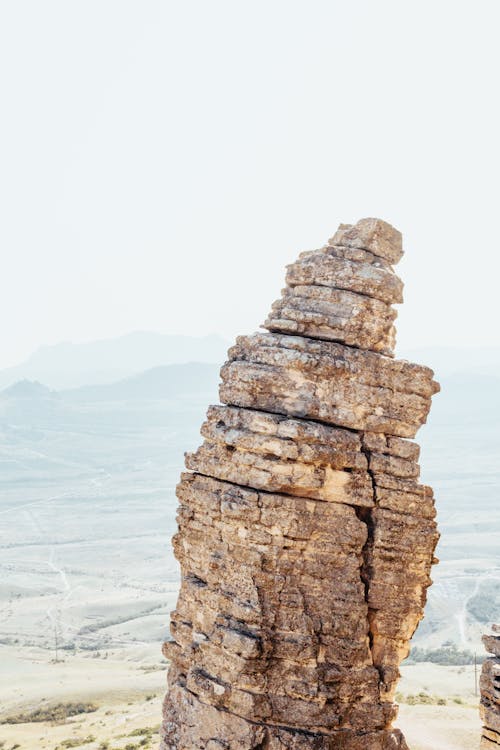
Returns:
(428, 726)
(128, 688)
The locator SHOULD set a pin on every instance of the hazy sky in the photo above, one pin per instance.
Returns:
(161, 162)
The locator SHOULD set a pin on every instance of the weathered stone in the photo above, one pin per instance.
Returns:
(492, 644)
(189, 723)
(327, 381)
(334, 314)
(343, 292)
(490, 693)
(375, 235)
(283, 455)
(335, 268)
(305, 539)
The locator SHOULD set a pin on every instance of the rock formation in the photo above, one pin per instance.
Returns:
(305, 539)
(490, 693)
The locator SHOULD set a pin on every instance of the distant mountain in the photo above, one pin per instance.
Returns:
(31, 403)
(170, 381)
(27, 389)
(27, 402)
(69, 365)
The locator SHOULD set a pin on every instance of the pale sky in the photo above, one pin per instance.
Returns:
(161, 162)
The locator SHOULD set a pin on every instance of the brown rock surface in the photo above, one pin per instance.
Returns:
(305, 539)
(490, 693)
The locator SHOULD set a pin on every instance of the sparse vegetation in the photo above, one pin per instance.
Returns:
(153, 667)
(448, 655)
(485, 605)
(145, 734)
(56, 712)
(420, 699)
(76, 741)
(140, 731)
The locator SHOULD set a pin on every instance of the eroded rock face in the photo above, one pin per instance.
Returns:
(490, 692)
(305, 538)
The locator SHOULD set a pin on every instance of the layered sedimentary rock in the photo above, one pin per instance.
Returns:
(490, 692)
(305, 538)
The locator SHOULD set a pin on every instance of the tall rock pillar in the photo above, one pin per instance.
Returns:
(305, 539)
(490, 692)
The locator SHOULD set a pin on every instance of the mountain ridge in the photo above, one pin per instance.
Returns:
(163, 381)
(69, 365)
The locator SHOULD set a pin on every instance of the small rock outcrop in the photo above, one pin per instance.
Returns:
(305, 538)
(490, 692)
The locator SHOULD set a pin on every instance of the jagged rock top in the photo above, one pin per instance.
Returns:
(375, 235)
(344, 291)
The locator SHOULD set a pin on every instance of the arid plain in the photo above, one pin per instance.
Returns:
(88, 577)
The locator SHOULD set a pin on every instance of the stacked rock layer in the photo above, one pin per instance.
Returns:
(490, 692)
(305, 539)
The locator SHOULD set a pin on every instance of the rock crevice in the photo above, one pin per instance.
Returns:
(305, 538)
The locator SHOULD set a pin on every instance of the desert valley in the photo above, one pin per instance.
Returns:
(88, 475)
